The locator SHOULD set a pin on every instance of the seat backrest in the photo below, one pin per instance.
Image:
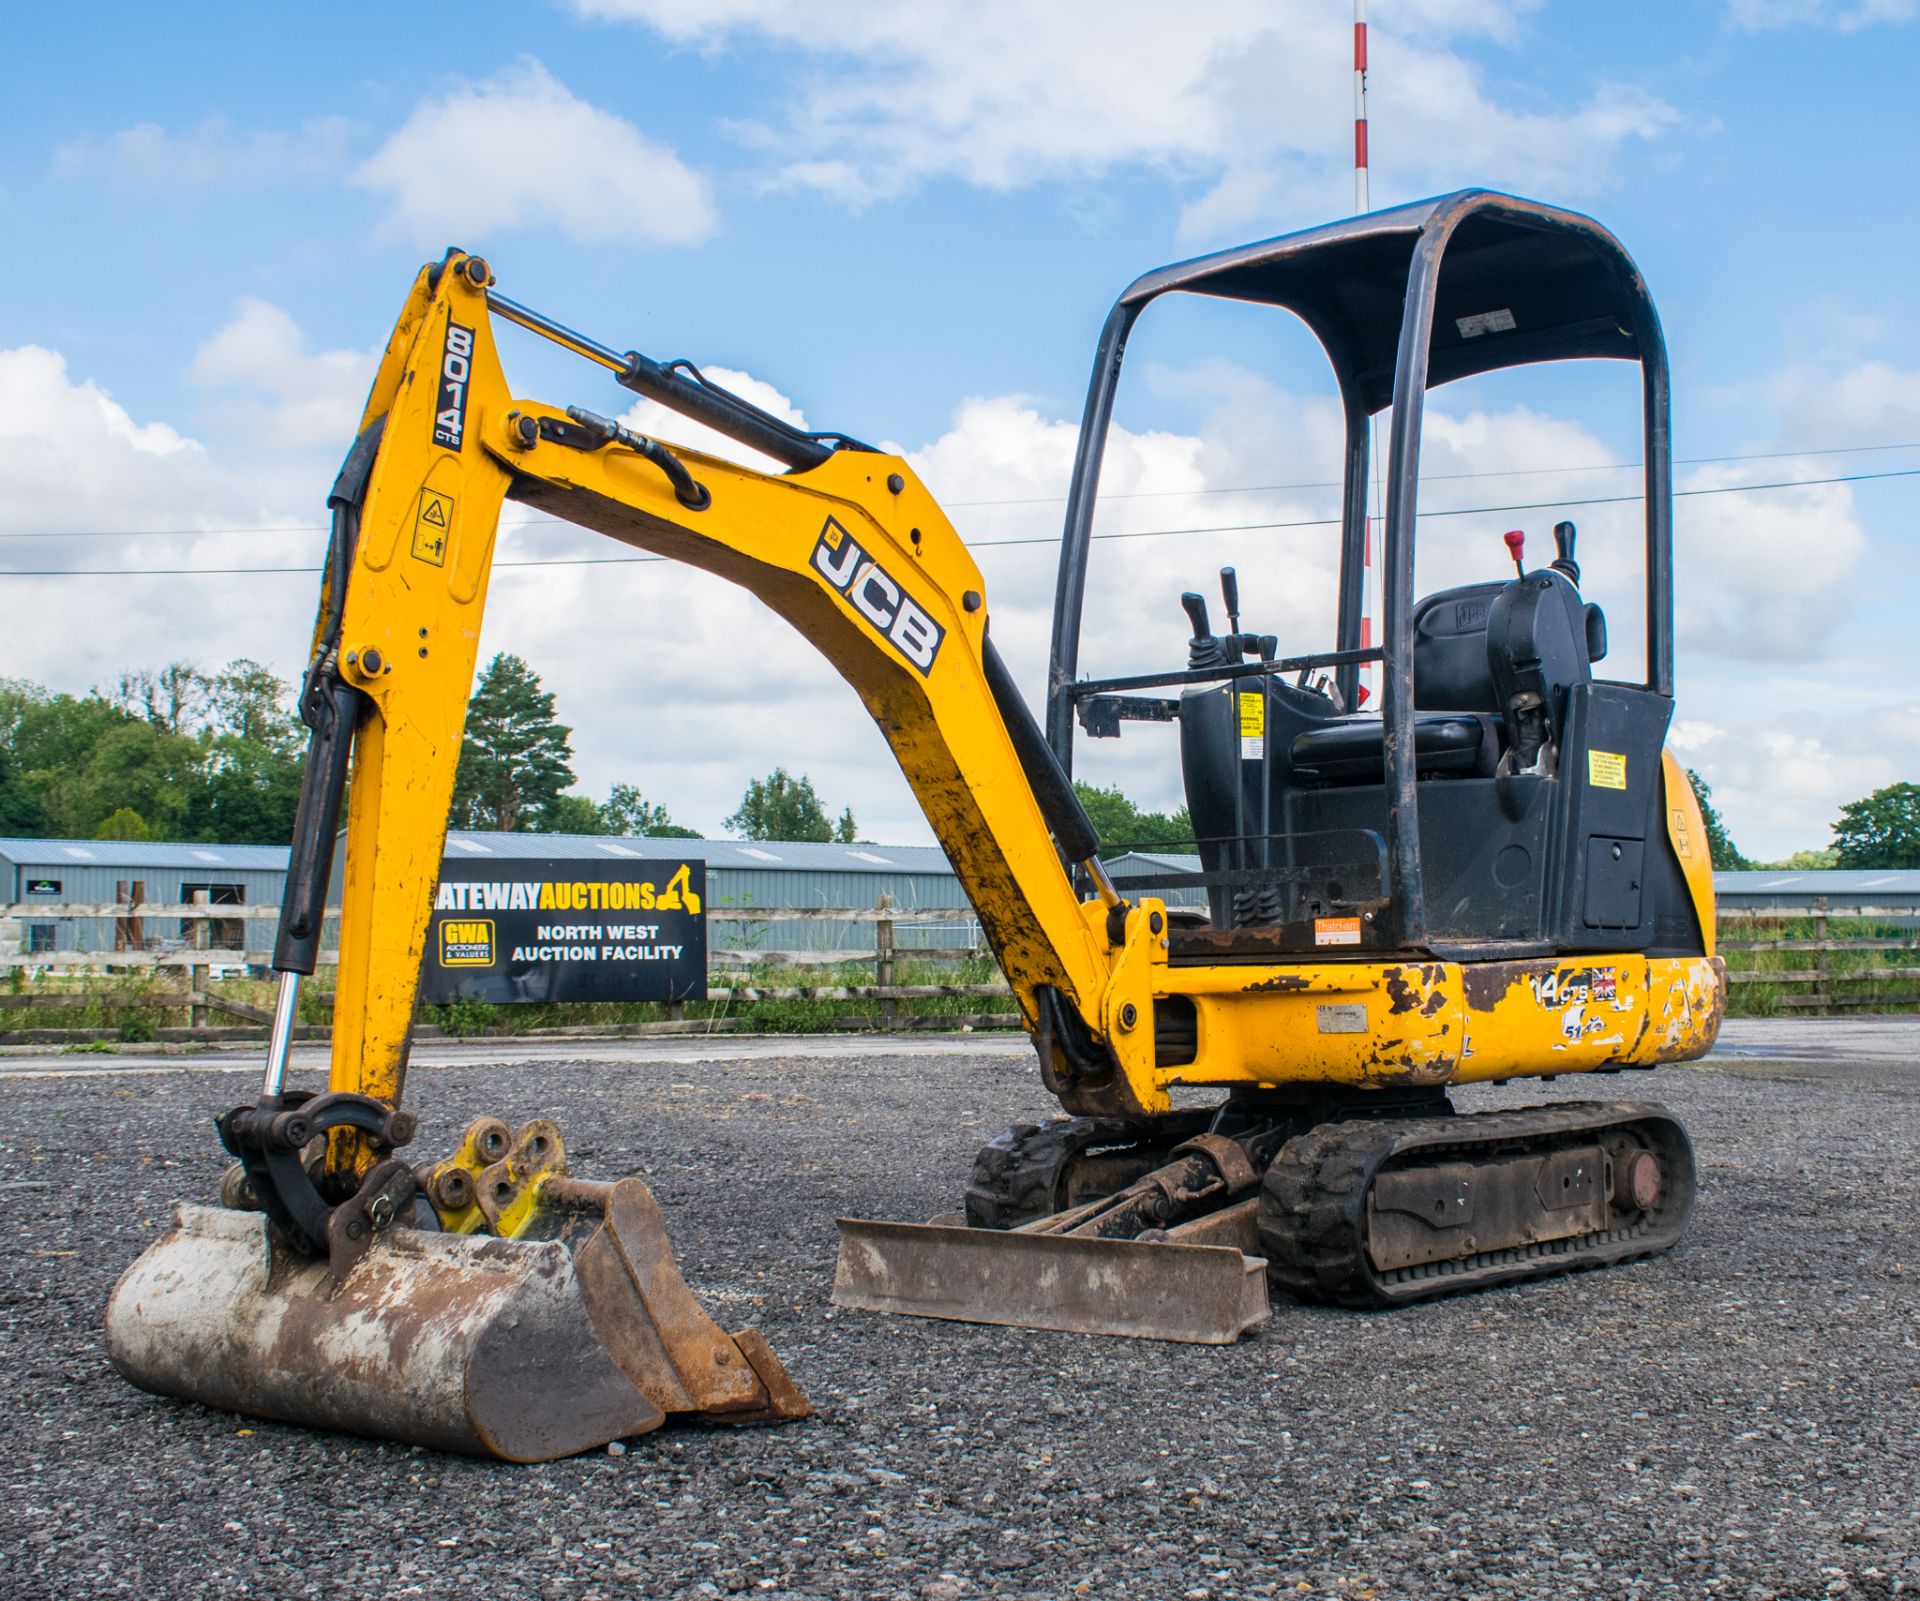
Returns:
(1538, 634)
(1450, 668)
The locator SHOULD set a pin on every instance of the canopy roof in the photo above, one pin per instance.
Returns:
(1519, 282)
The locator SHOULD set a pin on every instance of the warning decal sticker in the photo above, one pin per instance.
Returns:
(1606, 769)
(1253, 724)
(431, 524)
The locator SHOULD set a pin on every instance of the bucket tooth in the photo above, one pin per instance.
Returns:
(525, 1350)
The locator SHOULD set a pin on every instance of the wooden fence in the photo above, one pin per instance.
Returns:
(1826, 987)
(181, 979)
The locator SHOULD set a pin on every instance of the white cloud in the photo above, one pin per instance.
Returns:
(1847, 15)
(147, 156)
(1001, 94)
(295, 398)
(1868, 402)
(521, 150)
(77, 465)
(1744, 588)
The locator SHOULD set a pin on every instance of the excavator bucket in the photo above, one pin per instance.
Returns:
(524, 1349)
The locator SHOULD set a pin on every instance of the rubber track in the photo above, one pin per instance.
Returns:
(1019, 1175)
(1313, 1207)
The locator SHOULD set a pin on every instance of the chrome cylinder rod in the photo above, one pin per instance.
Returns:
(1102, 883)
(286, 1011)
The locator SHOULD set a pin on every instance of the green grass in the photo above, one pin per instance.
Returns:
(1761, 999)
(127, 1004)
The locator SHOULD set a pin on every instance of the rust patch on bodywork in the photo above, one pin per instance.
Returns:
(1487, 983)
(1279, 984)
(1415, 989)
(1401, 996)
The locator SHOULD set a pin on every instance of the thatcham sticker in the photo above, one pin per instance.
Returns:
(876, 596)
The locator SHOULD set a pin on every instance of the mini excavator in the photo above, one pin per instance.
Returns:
(1493, 873)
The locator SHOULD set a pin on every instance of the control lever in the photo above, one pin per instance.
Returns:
(1230, 593)
(1516, 542)
(1563, 561)
(1203, 650)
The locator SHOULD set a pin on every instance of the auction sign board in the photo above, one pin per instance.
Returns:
(568, 930)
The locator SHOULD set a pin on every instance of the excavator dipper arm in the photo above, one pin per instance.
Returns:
(853, 552)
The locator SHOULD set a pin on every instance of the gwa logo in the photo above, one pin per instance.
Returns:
(456, 366)
(838, 558)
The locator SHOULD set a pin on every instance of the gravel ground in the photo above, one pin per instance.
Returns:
(1740, 1418)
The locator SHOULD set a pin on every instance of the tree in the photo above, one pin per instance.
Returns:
(568, 814)
(1806, 861)
(626, 811)
(178, 754)
(515, 759)
(1123, 826)
(249, 702)
(781, 806)
(1882, 830)
(249, 790)
(126, 823)
(1721, 850)
(171, 698)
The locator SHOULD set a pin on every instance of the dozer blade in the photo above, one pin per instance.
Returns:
(1199, 1294)
(522, 1350)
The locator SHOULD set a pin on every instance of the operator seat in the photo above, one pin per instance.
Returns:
(1492, 664)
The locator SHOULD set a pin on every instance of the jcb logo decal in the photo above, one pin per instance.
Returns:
(466, 942)
(456, 367)
(838, 558)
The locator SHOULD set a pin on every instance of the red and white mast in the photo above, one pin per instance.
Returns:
(1360, 204)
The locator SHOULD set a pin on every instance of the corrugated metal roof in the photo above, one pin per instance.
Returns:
(799, 855)
(141, 853)
(1140, 863)
(1819, 881)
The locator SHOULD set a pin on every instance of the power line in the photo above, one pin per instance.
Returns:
(1033, 539)
(1057, 500)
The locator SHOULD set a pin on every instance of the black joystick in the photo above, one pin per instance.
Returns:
(1203, 650)
(1563, 562)
(1230, 593)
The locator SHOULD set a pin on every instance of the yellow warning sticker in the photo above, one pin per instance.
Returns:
(1336, 931)
(1606, 769)
(1253, 724)
(432, 522)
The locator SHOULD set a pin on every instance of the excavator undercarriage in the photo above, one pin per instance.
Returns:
(1362, 1201)
(1493, 873)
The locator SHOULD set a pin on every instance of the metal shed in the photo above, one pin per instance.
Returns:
(68, 872)
(1787, 890)
(1137, 865)
(744, 876)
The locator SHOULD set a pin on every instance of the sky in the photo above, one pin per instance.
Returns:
(908, 223)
